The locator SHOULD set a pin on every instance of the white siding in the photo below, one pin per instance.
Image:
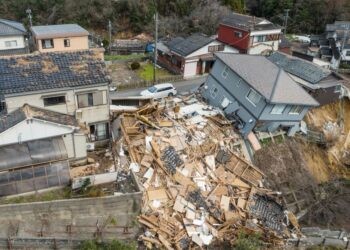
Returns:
(18, 39)
(204, 50)
(32, 130)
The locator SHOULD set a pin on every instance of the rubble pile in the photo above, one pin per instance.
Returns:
(197, 186)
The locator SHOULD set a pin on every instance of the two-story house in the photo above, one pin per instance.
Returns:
(74, 83)
(323, 84)
(190, 56)
(36, 148)
(249, 34)
(255, 93)
(60, 37)
(12, 38)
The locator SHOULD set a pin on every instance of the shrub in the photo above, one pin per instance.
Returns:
(135, 65)
(247, 242)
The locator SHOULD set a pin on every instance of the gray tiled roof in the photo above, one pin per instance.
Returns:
(59, 30)
(41, 72)
(27, 111)
(249, 23)
(7, 52)
(8, 28)
(303, 69)
(267, 78)
(184, 47)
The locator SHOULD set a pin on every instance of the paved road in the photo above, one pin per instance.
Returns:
(181, 86)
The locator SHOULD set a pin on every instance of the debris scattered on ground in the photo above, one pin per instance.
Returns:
(197, 186)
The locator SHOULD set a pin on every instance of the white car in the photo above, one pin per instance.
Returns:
(160, 91)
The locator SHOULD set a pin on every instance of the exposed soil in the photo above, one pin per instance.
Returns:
(121, 74)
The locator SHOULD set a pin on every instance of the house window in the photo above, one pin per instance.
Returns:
(296, 110)
(90, 99)
(55, 100)
(347, 53)
(99, 131)
(253, 97)
(214, 92)
(47, 44)
(224, 73)
(337, 89)
(278, 109)
(238, 34)
(259, 39)
(10, 44)
(215, 48)
(2, 107)
(66, 42)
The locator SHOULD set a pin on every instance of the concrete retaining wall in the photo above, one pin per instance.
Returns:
(112, 217)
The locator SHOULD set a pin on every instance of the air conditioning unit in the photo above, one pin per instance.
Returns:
(90, 146)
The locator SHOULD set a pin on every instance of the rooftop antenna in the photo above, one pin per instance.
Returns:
(29, 13)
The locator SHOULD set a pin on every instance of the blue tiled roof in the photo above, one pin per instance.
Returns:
(184, 47)
(299, 67)
(39, 72)
(8, 27)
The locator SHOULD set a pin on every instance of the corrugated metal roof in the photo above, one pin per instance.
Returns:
(56, 70)
(59, 30)
(184, 47)
(249, 23)
(267, 78)
(33, 152)
(301, 68)
(8, 27)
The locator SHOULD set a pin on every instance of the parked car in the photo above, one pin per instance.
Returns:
(160, 91)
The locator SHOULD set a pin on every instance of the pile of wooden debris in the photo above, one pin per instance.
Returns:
(197, 186)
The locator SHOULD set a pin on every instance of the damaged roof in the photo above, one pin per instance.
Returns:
(267, 78)
(184, 47)
(249, 23)
(29, 112)
(303, 69)
(9, 28)
(59, 30)
(56, 70)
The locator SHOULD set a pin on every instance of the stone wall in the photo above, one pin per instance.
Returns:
(112, 217)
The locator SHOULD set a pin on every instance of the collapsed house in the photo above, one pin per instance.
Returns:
(198, 188)
(256, 94)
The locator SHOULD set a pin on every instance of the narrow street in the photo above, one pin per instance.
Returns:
(181, 86)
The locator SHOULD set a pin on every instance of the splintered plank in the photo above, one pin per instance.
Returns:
(244, 170)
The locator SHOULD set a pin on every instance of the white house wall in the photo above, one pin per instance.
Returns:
(258, 48)
(204, 49)
(80, 146)
(89, 114)
(29, 130)
(18, 39)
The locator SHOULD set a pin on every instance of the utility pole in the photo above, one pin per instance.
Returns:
(29, 13)
(286, 16)
(155, 47)
(110, 35)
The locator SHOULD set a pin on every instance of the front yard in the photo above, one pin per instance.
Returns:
(146, 72)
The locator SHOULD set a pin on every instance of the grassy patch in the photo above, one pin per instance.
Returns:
(57, 194)
(113, 245)
(123, 57)
(146, 72)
